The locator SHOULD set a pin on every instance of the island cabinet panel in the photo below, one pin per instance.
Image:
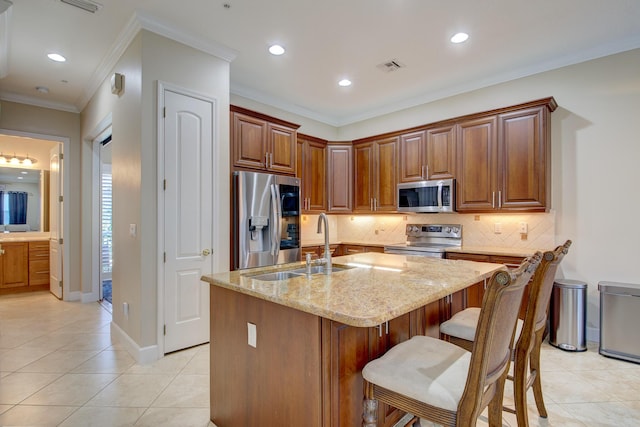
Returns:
(311, 169)
(277, 383)
(340, 178)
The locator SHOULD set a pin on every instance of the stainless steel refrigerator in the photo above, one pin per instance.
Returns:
(266, 220)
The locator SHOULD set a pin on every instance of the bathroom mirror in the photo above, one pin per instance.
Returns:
(28, 186)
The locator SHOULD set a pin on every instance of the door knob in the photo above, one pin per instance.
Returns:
(206, 252)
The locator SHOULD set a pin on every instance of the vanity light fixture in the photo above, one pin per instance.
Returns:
(459, 38)
(276, 50)
(18, 160)
(56, 57)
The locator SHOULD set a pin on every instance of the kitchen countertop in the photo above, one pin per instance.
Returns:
(381, 288)
(495, 250)
(22, 237)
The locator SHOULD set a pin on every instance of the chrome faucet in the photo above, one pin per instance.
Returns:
(327, 253)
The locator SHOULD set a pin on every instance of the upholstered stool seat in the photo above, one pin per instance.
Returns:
(425, 369)
(463, 325)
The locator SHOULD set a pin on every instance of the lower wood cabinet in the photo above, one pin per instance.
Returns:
(24, 266)
(14, 259)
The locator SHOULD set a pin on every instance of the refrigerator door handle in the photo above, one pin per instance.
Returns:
(277, 221)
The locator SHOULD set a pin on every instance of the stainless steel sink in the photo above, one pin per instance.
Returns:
(298, 272)
(277, 275)
(320, 269)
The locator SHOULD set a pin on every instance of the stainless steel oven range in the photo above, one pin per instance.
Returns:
(428, 240)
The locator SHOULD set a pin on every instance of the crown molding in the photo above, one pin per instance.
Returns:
(143, 21)
(37, 102)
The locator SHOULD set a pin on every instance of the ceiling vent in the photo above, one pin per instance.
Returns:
(390, 65)
(85, 5)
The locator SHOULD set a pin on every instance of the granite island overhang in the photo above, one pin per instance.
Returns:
(291, 352)
(378, 288)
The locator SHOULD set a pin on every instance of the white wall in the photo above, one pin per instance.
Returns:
(148, 59)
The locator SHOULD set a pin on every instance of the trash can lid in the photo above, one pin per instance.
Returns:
(619, 288)
(571, 284)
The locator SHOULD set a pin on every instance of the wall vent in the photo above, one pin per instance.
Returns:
(391, 65)
(85, 5)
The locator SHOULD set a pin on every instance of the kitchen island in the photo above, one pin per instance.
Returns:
(290, 352)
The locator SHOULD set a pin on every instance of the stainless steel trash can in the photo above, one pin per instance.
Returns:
(620, 320)
(568, 315)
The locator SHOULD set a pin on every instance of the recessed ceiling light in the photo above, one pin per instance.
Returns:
(276, 49)
(344, 82)
(56, 57)
(459, 38)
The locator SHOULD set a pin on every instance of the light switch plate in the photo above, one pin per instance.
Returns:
(252, 335)
(497, 227)
(133, 230)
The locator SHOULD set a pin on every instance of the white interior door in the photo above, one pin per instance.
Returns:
(187, 218)
(55, 221)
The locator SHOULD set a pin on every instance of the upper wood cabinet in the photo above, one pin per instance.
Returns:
(312, 164)
(262, 142)
(340, 177)
(375, 175)
(504, 160)
(428, 154)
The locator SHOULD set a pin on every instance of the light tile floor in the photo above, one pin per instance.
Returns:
(58, 367)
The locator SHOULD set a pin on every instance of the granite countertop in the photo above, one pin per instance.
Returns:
(495, 250)
(22, 237)
(381, 287)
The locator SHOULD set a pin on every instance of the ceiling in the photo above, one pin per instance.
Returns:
(325, 41)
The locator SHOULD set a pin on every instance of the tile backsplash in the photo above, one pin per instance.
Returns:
(477, 230)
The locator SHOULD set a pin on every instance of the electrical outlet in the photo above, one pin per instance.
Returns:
(252, 335)
(524, 228)
(497, 227)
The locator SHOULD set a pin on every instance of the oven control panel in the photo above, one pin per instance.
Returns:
(453, 231)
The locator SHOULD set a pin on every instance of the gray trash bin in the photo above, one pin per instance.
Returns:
(568, 315)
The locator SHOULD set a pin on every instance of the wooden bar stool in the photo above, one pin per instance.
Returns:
(460, 330)
(441, 382)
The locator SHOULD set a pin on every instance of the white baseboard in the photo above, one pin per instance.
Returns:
(72, 296)
(142, 355)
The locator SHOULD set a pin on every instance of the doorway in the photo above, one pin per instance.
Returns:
(106, 223)
(46, 216)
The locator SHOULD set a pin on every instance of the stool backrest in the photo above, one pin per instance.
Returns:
(492, 346)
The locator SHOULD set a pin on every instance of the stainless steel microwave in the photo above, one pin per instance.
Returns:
(427, 196)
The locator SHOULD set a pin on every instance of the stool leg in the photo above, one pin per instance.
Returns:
(535, 370)
(370, 413)
(520, 375)
(495, 406)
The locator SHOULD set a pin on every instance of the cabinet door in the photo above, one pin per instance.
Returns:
(385, 175)
(353, 249)
(413, 157)
(441, 152)
(312, 171)
(363, 183)
(477, 165)
(249, 141)
(339, 178)
(281, 149)
(523, 160)
(15, 270)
